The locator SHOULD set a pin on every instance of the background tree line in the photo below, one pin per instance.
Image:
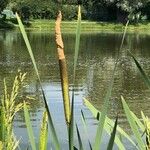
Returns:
(97, 10)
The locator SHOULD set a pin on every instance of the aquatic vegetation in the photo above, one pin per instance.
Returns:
(43, 137)
(63, 68)
(9, 106)
(51, 125)
(69, 114)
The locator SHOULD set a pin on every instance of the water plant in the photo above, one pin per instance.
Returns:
(9, 106)
(51, 125)
(63, 68)
(68, 112)
(104, 123)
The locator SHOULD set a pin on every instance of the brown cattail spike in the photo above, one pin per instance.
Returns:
(63, 68)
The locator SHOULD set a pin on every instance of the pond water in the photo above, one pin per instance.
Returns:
(96, 61)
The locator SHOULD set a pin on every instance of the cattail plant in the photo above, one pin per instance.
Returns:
(63, 68)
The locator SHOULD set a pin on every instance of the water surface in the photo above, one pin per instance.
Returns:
(96, 61)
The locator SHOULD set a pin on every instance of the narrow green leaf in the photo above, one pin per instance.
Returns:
(142, 72)
(118, 142)
(79, 139)
(75, 148)
(29, 127)
(133, 125)
(2, 124)
(139, 123)
(112, 138)
(44, 132)
(77, 43)
(52, 129)
(106, 101)
(27, 44)
(51, 125)
(143, 116)
(108, 128)
(124, 34)
(103, 116)
(94, 111)
(71, 125)
(85, 128)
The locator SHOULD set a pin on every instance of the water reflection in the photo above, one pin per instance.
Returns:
(94, 71)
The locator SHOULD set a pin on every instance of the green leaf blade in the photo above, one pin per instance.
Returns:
(28, 45)
(29, 127)
(44, 132)
(108, 122)
(51, 125)
(79, 139)
(102, 120)
(77, 43)
(133, 124)
(112, 138)
(142, 72)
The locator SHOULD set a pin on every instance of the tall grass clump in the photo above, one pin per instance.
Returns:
(9, 106)
(50, 121)
(64, 82)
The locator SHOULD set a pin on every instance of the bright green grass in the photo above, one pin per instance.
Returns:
(88, 26)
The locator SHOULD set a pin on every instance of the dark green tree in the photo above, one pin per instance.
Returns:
(3, 4)
(102, 10)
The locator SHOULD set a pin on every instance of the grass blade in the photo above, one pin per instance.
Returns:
(51, 125)
(71, 125)
(77, 43)
(79, 139)
(133, 124)
(103, 117)
(106, 99)
(93, 110)
(85, 128)
(124, 34)
(143, 74)
(2, 124)
(29, 127)
(112, 138)
(44, 132)
(27, 44)
(118, 142)
(95, 113)
(52, 129)
(139, 123)
(147, 131)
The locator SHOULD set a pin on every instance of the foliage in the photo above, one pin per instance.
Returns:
(3, 4)
(69, 12)
(51, 125)
(44, 132)
(100, 10)
(8, 108)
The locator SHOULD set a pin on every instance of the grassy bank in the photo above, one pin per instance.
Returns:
(88, 26)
